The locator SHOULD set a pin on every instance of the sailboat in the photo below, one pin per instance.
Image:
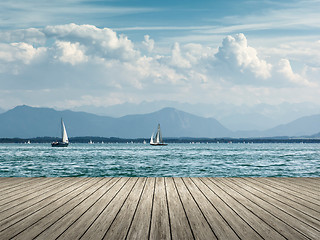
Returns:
(65, 140)
(156, 139)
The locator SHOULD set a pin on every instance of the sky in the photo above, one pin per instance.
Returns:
(72, 53)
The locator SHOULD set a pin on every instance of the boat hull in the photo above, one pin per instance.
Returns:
(158, 144)
(59, 144)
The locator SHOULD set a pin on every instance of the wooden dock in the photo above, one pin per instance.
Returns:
(159, 208)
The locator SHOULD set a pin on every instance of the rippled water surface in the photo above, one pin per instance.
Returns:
(197, 160)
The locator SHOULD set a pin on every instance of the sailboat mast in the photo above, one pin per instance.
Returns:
(159, 132)
(62, 129)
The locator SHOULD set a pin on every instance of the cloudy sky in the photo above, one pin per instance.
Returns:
(71, 53)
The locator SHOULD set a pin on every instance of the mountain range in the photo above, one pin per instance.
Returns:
(235, 117)
(28, 122)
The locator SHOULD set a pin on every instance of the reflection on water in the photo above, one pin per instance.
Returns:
(196, 160)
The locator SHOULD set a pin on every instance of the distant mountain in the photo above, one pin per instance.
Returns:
(27, 122)
(233, 116)
(301, 127)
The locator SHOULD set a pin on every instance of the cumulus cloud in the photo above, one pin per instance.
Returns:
(285, 69)
(71, 53)
(148, 43)
(100, 63)
(14, 55)
(102, 42)
(177, 59)
(236, 54)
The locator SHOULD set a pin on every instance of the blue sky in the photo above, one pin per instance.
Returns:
(72, 53)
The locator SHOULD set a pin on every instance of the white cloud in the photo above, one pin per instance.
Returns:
(236, 54)
(86, 64)
(20, 52)
(285, 69)
(148, 43)
(101, 42)
(30, 35)
(177, 59)
(14, 56)
(71, 53)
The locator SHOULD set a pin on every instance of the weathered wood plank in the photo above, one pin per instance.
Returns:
(8, 184)
(24, 189)
(160, 224)
(300, 192)
(256, 223)
(307, 183)
(295, 201)
(102, 223)
(285, 206)
(80, 226)
(159, 208)
(274, 222)
(25, 223)
(39, 224)
(66, 220)
(199, 224)
(272, 207)
(218, 224)
(179, 224)
(242, 229)
(20, 201)
(19, 212)
(120, 226)
(141, 222)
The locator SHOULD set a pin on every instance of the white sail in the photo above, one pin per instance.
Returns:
(64, 133)
(157, 140)
(158, 135)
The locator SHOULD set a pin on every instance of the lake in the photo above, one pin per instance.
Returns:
(176, 160)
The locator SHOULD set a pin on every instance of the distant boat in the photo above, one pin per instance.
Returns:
(65, 140)
(156, 139)
(90, 142)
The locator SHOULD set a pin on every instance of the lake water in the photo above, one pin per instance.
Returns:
(196, 160)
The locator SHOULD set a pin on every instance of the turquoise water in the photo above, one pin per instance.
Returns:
(196, 160)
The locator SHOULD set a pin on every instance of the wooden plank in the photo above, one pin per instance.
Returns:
(160, 225)
(120, 226)
(295, 201)
(160, 208)
(274, 222)
(23, 189)
(141, 222)
(80, 226)
(313, 221)
(179, 224)
(272, 207)
(21, 211)
(307, 183)
(218, 224)
(241, 228)
(65, 221)
(102, 223)
(29, 221)
(198, 223)
(8, 184)
(300, 192)
(19, 202)
(262, 228)
(38, 224)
